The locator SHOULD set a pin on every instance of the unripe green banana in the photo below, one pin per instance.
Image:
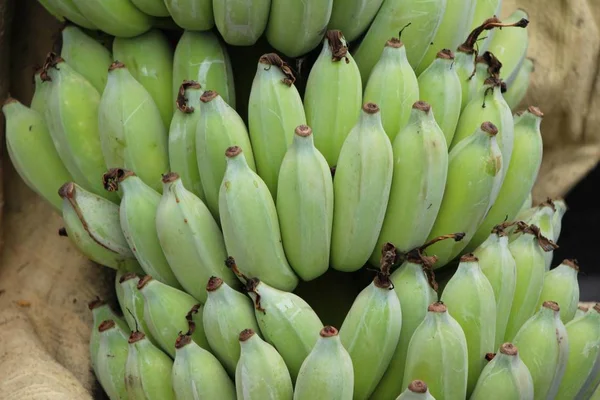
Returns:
(86, 56)
(93, 225)
(190, 238)
(333, 96)
(131, 131)
(326, 373)
(70, 12)
(543, 218)
(527, 204)
(580, 312)
(218, 128)
(510, 46)
(241, 22)
(485, 9)
(371, 329)
(100, 313)
(52, 9)
(149, 59)
(274, 110)
(437, 354)
(584, 346)
(115, 17)
(197, 374)
(39, 100)
(544, 348)
(416, 390)
(155, 8)
(195, 15)
(505, 377)
(474, 173)
(137, 215)
(250, 224)
(182, 138)
(261, 373)
(119, 290)
(111, 358)
(470, 299)
(353, 17)
(562, 287)
(361, 187)
(132, 305)
(418, 181)
(515, 93)
(32, 152)
(560, 211)
(147, 370)
(520, 177)
(393, 86)
(418, 22)
(286, 321)
(225, 311)
(305, 206)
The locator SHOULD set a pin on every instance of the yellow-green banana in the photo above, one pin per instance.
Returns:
(562, 287)
(515, 92)
(510, 46)
(155, 8)
(241, 22)
(101, 312)
(132, 305)
(115, 17)
(195, 15)
(68, 9)
(353, 17)
(39, 100)
(543, 217)
(52, 9)
(113, 349)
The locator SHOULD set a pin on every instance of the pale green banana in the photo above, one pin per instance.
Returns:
(527, 204)
(580, 312)
(86, 56)
(119, 292)
(515, 93)
(195, 15)
(149, 59)
(274, 110)
(250, 224)
(100, 313)
(437, 354)
(241, 22)
(32, 152)
(219, 127)
(137, 215)
(562, 287)
(113, 349)
(201, 57)
(510, 46)
(39, 100)
(543, 218)
(132, 305)
(333, 96)
(560, 211)
(485, 9)
(326, 373)
(115, 17)
(132, 133)
(261, 373)
(70, 12)
(393, 86)
(155, 8)
(52, 9)
(416, 390)
(305, 206)
(353, 17)
(197, 374)
(362, 183)
(506, 377)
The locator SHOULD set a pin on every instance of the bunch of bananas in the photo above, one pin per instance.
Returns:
(242, 247)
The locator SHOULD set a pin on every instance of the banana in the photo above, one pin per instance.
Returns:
(305, 206)
(544, 348)
(510, 46)
(516, 91)
(470, 299)
(149, 58)
(139, 229)
(353, 17)
(197, 374)
(580, 312)
(506, 377)
(155, 8)
(333, 96)
(474, 171)
(52, 9)
(371, 329)
(132, 133)
(100, 313)
(562, 287)
(39, 100)
(182, 138)
(147, 370)
(119, 292)
(32, 152)
(225, 311)
(416, 390)
(250, 224)
(361, 187)
(86, 56)
(111, 358)
(326, 373)
(520, 176)
(115, 17)
(418, 181)
(274, 110)
(437, 354)
(201, 57)
(527, 204)
(261, 373)
(195, 15)
(241, 22)
(218, 128)
(296, 27)
(393, 86)
(560, 211)
(485, 9)
(543, 217)
(418, 22)
(68, 10)
(132, 305)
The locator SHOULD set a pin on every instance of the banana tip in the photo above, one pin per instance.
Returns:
(509, 349)
(116, 65)
(136, 336)
(572, 263)
(370, 108)
(128, 276)
(395, 43)
(445, 54)
(535, 111)
(170, 177)
(208, 96)
(417, 386)
(303, 131)
(246, 334)
(233, 151)
(98, 302)
(182, 340)
(328, 331)
(437, 307)
(67, 190)
(470, 257)
(552, 305)
(422, 106)
(214, 283)
(489, 128)
(106, 325)
(144, 281)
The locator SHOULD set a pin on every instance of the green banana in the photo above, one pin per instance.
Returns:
(155, 8)
(192, 14)
(86, 56)
(485, 9)
(305, 206)
(562, 287)
(113, 350)
(515, 93)
(560, 211)
(100, 313)
(333, 96)
(39, 100)
(132, 134)
(326, 373)
(261, 373)
(250, 224)
(218, 128)
(119, 292)
(241, 22)
(115, 17)
(353, 17)
(362, 183)
(68, 9)
(52, 9)
(139, 229)
(32, 152)
(416, 390)
(510, 46)
(197, 374)
(132, 305)
(393, 71)
(527, 204)
(149, 58)
(274, 110)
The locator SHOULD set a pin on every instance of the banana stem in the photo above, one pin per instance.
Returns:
(469, 45)
(52, 59)
(338, 49)
(545, 243)
(272, 59)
